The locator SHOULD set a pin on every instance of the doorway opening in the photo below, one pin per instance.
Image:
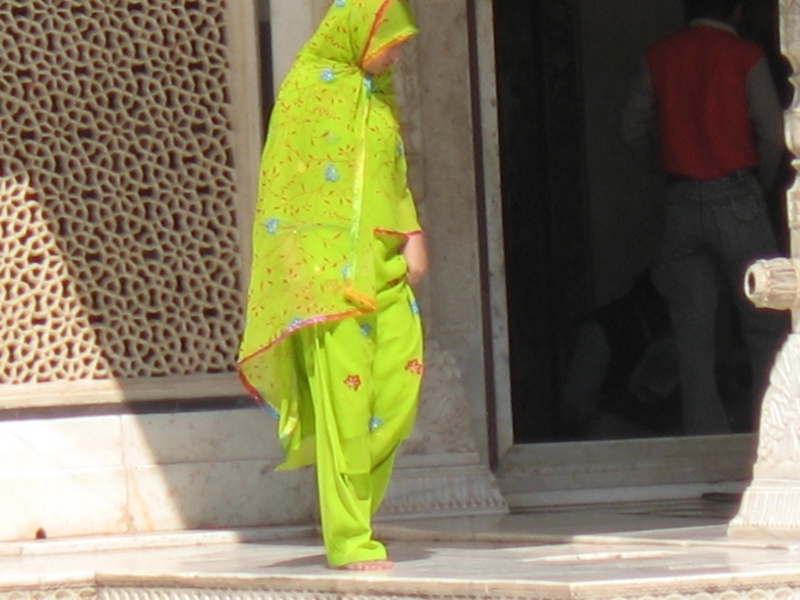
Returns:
(591, 356)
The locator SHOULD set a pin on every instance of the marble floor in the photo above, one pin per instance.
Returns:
(669, 549)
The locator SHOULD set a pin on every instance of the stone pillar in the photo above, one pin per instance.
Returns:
(295, 24)
(443, 467)
(771, 504)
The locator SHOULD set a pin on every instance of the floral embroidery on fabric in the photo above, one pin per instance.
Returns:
(327, 75)
(415, 367)
(272, 225)
(354, 382)
(331, 174)
(374, 423)
(366, 329)
(310, 169)
(414, 306)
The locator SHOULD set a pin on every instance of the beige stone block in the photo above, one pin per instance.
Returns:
(200, 437)
(222, 494)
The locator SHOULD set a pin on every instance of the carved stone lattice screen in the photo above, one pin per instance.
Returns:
(118, 243)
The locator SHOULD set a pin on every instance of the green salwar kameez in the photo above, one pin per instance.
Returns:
(364, 377)
(333, 343)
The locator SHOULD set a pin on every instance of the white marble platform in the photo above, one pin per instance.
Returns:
(665, 550)
(121, 474)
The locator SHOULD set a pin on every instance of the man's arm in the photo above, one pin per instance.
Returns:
(765, 111)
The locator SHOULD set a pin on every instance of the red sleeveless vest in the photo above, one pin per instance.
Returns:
(699, 82)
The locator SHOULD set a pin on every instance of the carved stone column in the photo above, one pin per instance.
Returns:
(771, 504)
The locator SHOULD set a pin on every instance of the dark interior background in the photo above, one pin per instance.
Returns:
(581, 217)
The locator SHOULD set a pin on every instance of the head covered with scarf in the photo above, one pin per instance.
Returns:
(333, 176)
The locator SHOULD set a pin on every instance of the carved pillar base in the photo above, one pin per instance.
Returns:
(769, 509)
(771, 504)
(440, 472)
(436, 487)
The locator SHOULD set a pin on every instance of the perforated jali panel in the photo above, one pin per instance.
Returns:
(118, 250)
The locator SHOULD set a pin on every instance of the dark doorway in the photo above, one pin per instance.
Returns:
(582, 221)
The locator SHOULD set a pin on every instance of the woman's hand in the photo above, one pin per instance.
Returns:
(416, 255)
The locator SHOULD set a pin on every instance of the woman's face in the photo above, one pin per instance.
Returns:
(386, 58)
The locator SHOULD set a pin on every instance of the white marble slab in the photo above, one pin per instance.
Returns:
(28, 445)
(61, 503)
(672, 564)
(220, 494)
(564, 473)
(200, 437)
(119, 391)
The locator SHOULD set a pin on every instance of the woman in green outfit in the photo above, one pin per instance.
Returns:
(333, 342)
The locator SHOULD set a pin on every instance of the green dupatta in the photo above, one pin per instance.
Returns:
(333, 175)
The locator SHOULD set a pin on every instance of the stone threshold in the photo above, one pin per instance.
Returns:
(599, 577)
(430, 529)
(514, 557)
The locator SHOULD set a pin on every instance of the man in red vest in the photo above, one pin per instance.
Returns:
(708, 98)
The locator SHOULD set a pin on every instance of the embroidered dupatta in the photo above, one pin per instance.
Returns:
(333, 175)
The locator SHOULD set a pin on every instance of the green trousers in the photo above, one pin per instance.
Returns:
(364, 376)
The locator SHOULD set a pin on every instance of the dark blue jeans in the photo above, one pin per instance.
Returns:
(715, 228)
